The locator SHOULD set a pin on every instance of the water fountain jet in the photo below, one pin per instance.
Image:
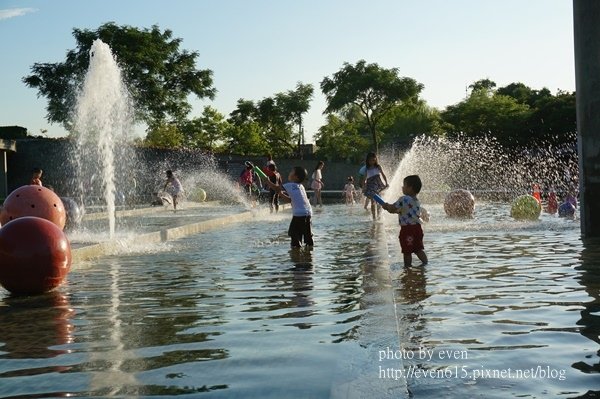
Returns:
(102, 120)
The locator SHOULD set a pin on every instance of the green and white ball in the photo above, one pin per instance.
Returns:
(197, 195)
(525, 207)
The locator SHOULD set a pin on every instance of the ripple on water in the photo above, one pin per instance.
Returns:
(509, 298)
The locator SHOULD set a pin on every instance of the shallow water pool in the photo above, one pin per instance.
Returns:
(235, 313)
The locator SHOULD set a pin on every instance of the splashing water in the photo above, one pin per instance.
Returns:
(102, 119)
(197, 170)
(484, 167)
(217, 184)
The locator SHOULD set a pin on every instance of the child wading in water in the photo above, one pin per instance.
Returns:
(175, 188)
(408, 209)
(374, 182)
(300, 226)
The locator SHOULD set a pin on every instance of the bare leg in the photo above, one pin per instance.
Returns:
(175, 202)
(422, 257)
(373, 210)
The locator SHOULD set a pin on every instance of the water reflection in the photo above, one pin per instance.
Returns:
(220, 314)
(413, 285)
(35, 327)
(301, 285)
(590, 316)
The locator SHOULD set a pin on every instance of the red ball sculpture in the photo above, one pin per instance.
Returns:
(459, 204)
(34, 200)
(35, 255)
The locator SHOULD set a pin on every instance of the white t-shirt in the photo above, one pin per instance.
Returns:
(373, 171)
(317, 175)
(176, 187)
(300, 204)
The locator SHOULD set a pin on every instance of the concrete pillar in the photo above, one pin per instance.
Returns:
(3, 175)
(586, 25)
(5, 146)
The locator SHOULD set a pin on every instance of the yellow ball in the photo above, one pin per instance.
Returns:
(197, 195)
(525, 207)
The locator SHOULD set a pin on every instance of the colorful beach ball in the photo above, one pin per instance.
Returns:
(566, 210)
(459, 204)
(525, 207)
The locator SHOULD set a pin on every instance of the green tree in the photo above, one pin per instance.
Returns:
(166, 135)
(294, 104)
(408, 120)
(275, 117)
(207, 132)
(515, 114)
(274, 121)
(160, 76)
(373, 89)
(524, 94)
(246, 139)
(554, 118)
(486, 114)
(245, 134)
(485, 85)
(344, 137)
(244, 112)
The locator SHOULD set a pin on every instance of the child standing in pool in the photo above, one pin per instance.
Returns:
(349, 191)
(301, 225)
(317, 183)
(36, 176)
(408, 209)
(374, 182)
(273, 177)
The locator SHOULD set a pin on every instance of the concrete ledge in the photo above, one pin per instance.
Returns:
(143, 211)
(114, 247)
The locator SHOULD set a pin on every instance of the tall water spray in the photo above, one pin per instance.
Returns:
(102, 121)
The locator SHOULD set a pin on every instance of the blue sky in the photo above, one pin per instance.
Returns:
(257, 48)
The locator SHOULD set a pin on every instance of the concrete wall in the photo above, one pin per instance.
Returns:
(54, 157)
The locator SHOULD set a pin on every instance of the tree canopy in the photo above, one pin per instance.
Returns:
(272, 120)
(343, 137)
(159, 74)
(373, 89)
(515, 114)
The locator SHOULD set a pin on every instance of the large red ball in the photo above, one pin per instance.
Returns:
(459, 204)
(34, 200)
(35, 255)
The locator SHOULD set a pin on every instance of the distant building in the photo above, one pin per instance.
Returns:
(13, 132)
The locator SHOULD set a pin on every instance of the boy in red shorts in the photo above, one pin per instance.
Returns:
(408, 209)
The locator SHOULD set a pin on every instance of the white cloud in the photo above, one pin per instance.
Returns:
(15, 12)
